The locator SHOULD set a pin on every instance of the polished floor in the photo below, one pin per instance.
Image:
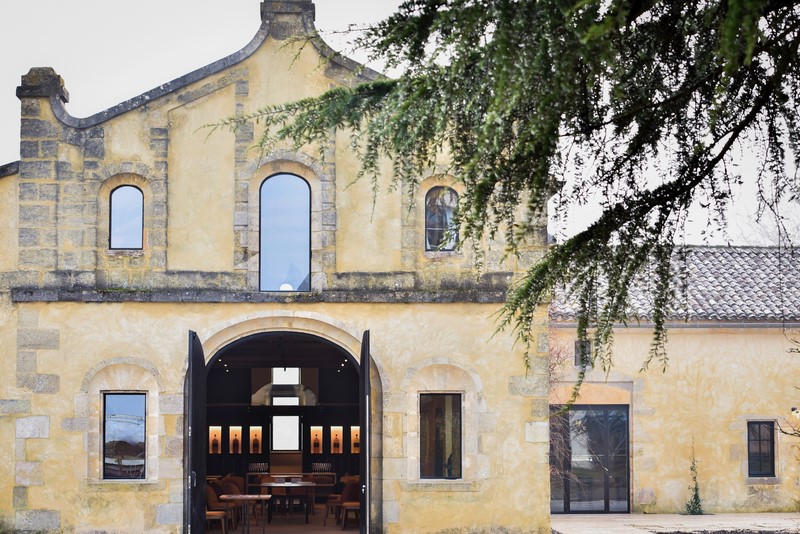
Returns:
(292, 524)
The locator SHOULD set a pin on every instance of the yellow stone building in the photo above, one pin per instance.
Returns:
(727, 390)
(132, 243)
(176, 307)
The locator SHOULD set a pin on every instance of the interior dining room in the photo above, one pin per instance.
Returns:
(283, 436)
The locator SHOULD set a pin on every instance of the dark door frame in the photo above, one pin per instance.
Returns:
(565, 478)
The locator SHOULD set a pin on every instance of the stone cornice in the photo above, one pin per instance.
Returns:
(466, 296)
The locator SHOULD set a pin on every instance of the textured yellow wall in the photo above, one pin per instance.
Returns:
(90, 335)
(716, 380)
(201, 191)
(8, 222)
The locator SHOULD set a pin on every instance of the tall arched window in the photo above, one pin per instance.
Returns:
(285, 210)
(126, 225)
(440, 205)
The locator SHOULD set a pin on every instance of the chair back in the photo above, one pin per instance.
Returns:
(231, 488)
(212, 501)
(351, 492)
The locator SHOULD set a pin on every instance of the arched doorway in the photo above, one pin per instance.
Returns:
(281, 400)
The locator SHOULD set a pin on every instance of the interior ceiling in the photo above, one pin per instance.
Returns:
(282, 350)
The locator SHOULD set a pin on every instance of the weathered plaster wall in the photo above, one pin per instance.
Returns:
(8, 222)
(201, 183)
(716, 380)
(144, 345)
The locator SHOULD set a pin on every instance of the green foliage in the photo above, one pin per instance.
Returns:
(641, 102)
(694, 506)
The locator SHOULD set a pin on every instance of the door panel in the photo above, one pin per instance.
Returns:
(589, 460)
(195, 438)
(365, 418)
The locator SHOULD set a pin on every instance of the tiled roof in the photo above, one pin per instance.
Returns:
(736, 284)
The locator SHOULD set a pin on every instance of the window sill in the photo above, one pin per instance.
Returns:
(443, 485)
(120, 483)
(762, 481)
(436, 254)
(131, 252)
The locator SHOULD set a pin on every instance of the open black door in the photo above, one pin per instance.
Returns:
(365, 415)
(194, 439)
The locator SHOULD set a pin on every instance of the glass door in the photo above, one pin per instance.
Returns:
(589, 460)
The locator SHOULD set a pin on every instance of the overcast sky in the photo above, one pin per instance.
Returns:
(108, 51)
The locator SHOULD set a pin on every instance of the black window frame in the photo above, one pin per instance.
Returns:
(583, 350)
(756, 461)
(106, 473)
(111, 218)
(261, 287)
(451, 232)
(423, 474)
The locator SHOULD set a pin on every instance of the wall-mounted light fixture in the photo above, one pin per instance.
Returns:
(316, 440)
(336, 440)
(255, 440)
(235, 440)
(215, 440)
(355, 439)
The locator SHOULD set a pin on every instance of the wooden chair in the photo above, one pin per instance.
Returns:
(215, 505)
(218, 515)
(351, 502)
(230, 487)
(350, 496)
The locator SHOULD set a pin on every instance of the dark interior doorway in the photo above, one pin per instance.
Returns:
(284, 403)
(589, 466)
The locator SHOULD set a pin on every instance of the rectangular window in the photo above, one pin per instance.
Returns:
(583, 352)
(761, 449)
(440, 435)
(124, 450)
(286, 433)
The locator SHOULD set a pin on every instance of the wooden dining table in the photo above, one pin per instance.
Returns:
(288, 487)
(246, 499)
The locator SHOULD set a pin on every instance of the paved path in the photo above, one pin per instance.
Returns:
(662, 523)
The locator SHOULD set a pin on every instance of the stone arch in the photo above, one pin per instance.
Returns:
(122, 374)
(323, 213)
(103, 208)
(342, 334)
(345, 335)
(442, 375)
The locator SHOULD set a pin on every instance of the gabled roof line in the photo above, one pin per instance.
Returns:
(57, 101)
(9, 169)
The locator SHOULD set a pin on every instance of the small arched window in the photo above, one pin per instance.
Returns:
(285, 212)
(440, 206)
(126, 225)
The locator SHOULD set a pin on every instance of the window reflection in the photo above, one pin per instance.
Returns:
(440, 206)
(440, 435)
(127, 218)
(285, 234)
(124, 436)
